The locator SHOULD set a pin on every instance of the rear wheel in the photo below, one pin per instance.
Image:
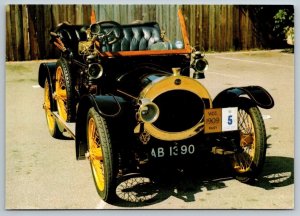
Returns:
(51, 121)
(249, 160)
(101, 155)
(64, 91)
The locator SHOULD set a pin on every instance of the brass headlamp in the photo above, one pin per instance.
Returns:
(199, 64)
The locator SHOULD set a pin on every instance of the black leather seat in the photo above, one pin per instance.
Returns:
(132, 37)
(135, 37)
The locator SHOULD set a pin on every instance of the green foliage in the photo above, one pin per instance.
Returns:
(271, 23)
(284, 22)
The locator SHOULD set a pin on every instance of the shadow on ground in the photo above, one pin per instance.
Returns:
(277, 172)
(160, 183)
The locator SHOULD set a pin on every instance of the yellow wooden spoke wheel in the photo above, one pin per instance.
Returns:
(61, 93)
(95, 154)
(50, 119)
(100, 154)
(64, 91)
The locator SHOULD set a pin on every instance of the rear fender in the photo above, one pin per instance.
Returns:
(112, 108)
(230, 97)
(46, 70)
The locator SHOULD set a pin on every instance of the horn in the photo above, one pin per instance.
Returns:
(148, 111)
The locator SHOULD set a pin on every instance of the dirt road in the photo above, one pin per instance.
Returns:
(42, 172)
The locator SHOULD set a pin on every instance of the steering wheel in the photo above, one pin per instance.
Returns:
(107, 31)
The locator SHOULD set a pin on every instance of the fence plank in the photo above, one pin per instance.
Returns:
(55, 15)
(26, 44)
(34, 51)
(14, 33)
(41, 33)
(87, 14)
(205, 24)
(9, 33)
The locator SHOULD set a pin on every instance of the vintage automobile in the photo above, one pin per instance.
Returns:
(129, 96)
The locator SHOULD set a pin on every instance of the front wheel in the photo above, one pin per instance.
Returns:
(101, 155)
(249, 160)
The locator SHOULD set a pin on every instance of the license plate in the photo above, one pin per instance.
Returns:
(173, 151)
(220, 120)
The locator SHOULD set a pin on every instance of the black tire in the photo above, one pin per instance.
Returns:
(64, 90)
(101, 156)
(48, 106)
(248, 162)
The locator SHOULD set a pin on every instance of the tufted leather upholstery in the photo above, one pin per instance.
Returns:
(136, 37)
(132, 37)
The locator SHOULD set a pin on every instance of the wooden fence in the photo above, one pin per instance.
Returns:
(213, 27)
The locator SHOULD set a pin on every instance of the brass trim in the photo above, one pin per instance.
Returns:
(155, 89)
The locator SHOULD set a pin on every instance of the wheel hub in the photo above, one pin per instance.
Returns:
(246, 140)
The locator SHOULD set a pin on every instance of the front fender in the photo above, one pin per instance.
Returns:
(257, 94)
(108, 106)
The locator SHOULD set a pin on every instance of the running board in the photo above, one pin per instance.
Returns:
(69, 127)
